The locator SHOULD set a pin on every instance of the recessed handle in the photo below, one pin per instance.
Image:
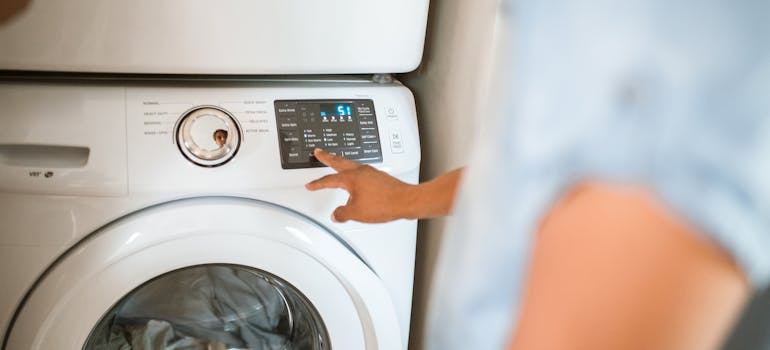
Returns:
(43, 156)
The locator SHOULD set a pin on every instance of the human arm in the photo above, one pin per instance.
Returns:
(9, 8)
(612, 269)
(376, 196)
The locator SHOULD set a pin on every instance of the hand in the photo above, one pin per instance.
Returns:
(375, 196)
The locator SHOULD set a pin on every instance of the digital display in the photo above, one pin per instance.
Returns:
(339, 109)
(345, 128)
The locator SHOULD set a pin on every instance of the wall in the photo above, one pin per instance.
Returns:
(451, 87)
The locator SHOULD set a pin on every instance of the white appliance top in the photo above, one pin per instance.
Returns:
(224, 37)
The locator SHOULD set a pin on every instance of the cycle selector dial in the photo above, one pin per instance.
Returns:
(208, 136)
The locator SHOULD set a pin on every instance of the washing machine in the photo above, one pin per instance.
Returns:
(153, 157)
(127, 219)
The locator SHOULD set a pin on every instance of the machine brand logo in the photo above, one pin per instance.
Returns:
(47, 174)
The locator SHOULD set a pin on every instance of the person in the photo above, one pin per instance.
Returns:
(622, 202)
(220, 137)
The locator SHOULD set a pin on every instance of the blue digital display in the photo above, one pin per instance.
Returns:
(336, 109)
(344, 109)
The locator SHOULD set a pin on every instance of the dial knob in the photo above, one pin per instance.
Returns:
(208, 136)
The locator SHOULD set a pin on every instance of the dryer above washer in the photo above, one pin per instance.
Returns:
(222, 37)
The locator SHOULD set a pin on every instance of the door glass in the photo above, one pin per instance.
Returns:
(211, 307)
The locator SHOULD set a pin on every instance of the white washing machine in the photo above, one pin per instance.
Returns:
(127, 220)
(152, 171)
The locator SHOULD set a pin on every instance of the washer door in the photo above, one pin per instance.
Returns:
(212, 307)
(209, 273)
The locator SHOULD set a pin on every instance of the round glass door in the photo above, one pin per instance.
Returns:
(215, 306)
(257, 277)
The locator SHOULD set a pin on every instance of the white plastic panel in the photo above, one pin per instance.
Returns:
(222, 37)
(62, 139)
(156, 163)
(17, 279)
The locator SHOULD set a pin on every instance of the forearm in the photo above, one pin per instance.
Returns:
(433, 198)
(376, 196)
(612, 269)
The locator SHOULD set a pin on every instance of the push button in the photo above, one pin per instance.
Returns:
(396, 142)
(371, 150)
(368, 135)
(295, 155)
(366, 123)
(352, 153)
(391, 113)
(287, 123)
(285, 108)
(364, 108)
(290, 137)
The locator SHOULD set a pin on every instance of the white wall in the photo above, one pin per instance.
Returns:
(452, 87)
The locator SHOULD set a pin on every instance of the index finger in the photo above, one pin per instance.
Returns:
(328, 181)
(335, 162)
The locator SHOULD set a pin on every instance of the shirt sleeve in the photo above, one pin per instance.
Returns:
(671, 96)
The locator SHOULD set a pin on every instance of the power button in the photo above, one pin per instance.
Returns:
(391, 113)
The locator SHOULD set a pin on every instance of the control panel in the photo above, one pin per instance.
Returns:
(202, 137)
(346, 128)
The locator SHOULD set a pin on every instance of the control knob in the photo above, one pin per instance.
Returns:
(208, 136)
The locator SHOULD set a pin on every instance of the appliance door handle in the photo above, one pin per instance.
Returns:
(44, 156)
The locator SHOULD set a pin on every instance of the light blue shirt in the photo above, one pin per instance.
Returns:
(671, 95)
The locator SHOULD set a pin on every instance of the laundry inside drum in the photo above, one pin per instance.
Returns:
(211, 307)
